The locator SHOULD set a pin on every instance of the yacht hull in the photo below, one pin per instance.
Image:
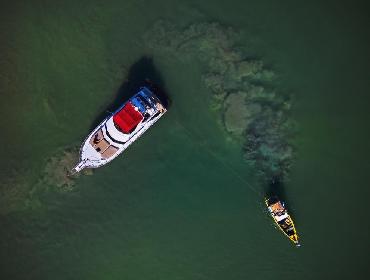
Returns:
(119, 130)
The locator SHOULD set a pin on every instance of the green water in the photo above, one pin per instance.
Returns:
(181, 203)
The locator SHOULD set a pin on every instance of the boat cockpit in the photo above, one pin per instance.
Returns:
(102, 145)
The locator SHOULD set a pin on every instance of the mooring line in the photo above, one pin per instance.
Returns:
(194, 138)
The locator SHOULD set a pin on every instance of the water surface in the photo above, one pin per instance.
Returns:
(182, 203)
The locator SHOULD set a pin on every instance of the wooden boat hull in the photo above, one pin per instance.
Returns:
(282, 219)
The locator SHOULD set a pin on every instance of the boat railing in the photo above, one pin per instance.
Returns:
(81, 165)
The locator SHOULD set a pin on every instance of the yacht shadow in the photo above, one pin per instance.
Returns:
(141, 73)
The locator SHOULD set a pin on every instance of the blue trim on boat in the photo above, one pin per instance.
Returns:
(136, 102)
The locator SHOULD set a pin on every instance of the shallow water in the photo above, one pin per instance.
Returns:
(182, 203)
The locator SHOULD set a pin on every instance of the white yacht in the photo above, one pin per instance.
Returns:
(120, 129)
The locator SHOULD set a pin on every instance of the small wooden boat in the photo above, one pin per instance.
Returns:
(281, 217)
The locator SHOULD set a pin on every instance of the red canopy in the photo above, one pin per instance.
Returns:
(128, 118)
